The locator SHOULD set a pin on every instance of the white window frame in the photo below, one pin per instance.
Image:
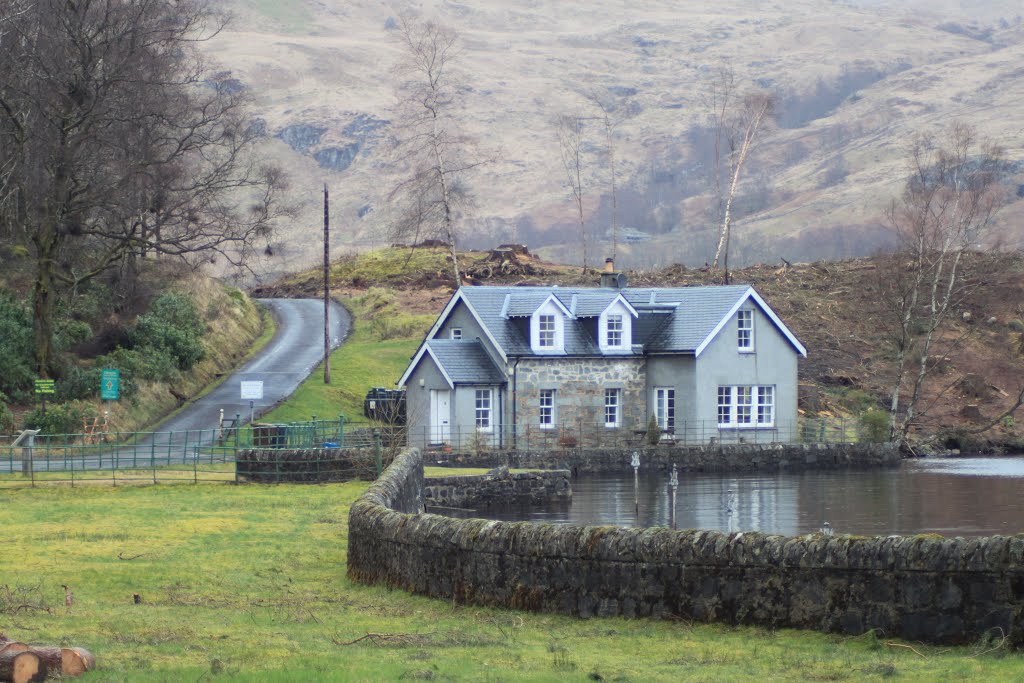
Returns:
(456, 333)
(724, 405)
(613, 408)
(617, 318)
(765, 406)
(545, 333)
(484, 410)
(614, 331)
(547, 409)
(745, 330)
(746, 406)
(665, 408)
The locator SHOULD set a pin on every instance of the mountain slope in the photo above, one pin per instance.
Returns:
(857, 82)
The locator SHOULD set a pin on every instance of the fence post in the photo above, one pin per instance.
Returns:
(238, 432)
(378, 454)
(341, 431)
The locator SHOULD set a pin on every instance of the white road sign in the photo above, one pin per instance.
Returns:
(252, 391)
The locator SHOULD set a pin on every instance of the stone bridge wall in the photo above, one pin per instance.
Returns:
(916, 587)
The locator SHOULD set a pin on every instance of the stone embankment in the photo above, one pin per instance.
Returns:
(920, 587)
(499, 487)
(716, 458)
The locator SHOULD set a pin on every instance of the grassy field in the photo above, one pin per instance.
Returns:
(247, 583)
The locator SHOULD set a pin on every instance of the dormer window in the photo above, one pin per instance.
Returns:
(547, 327)
(615, 327)
(613, 338)
(546, 331)
(745, 330)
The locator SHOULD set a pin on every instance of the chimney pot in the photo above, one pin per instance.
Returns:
(609, 265)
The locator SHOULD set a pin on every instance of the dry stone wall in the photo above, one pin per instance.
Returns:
(920, 588)
(499, 487)
(727, 458)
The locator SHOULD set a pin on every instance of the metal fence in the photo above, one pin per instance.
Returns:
(588, 435)
(170, 456)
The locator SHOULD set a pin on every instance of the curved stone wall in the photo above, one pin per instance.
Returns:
(917, 587)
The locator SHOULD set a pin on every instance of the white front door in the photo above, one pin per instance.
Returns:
(440, 416)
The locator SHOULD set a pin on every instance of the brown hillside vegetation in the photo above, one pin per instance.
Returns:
(833, 307)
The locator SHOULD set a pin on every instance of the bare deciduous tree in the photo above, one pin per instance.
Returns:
(429, 141)
(738, 124)
(954, 189)
(569, 129)
(117, 140)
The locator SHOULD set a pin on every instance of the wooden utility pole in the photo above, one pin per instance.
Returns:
(327, 290)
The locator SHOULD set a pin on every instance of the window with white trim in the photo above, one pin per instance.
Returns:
(745, 330)
(724, 405)
(483, 410)
(546, 331)
(744, 402)
(746, 406)
(613, 336)
(456, 333)
(665, 408)
(547, 409)
(766, 405)
(612, 407)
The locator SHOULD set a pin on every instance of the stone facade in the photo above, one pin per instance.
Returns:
(723, 458)
(917, 587)
(579, 385)
(498, 487)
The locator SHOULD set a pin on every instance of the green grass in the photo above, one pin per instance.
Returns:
(247, 583)
(382, 341)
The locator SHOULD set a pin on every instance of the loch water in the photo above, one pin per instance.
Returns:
(948, 496)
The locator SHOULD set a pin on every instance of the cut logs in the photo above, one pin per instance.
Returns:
(21, 667)
(70, 661)
(20, 662)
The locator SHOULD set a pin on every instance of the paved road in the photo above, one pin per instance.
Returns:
(289, 358)
(293, 353)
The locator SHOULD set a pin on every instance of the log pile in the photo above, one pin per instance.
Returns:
(22, 663)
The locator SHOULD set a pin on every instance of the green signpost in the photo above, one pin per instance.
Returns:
(110, 384)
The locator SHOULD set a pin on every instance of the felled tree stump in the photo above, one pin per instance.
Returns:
(70, 661)
(21, 666)
(41, 661)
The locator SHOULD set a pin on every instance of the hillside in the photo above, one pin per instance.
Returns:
(858, 79)
(833, 307)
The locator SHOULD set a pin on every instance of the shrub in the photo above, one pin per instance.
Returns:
(173, 327)
(78, 383)
(6, 417)
(59, 419)
(874, 426)
(653, 432)
(17, 350)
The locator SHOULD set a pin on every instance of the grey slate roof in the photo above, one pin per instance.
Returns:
(685, 317)
(465, 361)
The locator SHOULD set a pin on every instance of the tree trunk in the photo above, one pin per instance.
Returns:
(69, 661)
(21, 667)
(44, 300)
